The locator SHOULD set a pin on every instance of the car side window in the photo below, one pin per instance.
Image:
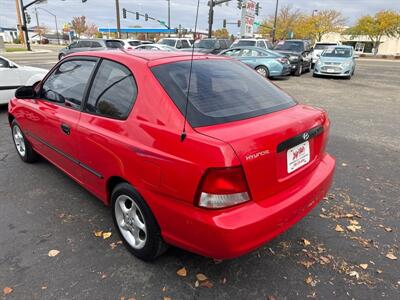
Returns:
(179, 44)
(249, 52)
(67, 84)
(83, 44)
(4, 63)
(96, 45)
(261, 44)
(113, 91)
(73, 45)
(233, 52)
(185, 44)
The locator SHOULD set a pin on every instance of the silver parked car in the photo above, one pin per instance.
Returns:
(90, 45)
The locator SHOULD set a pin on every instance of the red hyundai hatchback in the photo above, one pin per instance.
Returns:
(252, 162)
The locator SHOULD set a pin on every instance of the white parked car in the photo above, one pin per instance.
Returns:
(178, 43)
(319, 48)
(156, 47)
(12, 76)
(252, 43)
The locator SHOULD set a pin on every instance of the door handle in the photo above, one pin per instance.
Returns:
(66, 129)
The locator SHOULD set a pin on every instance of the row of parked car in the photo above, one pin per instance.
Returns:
(284, 58)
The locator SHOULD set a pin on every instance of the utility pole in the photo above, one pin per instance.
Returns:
(25, 27)
(118, 19)
(276, 15)
(169, 16)
(210, 18)
(20, 34)
(37, 26)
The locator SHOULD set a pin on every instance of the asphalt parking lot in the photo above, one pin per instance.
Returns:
(347, 248)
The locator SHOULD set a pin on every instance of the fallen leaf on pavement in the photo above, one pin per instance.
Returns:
(113, 246)
(197, 283)
(208, 284)
(182, 272)
(223, 281)
(7, 290)
(339, 228)
(306, 263)
(167, 298)
(201, 277)
(106, 235)
(324, 260)
(379, 271)
(344, 165)
(98, 233)
(354, 274)
(391, 256)
(53, 253)
(305, 242)
(388, 229)
(353, 228)
(323, 216)
(354, 222)
(271, 298)
(368, 208)
(308, 280)
(364, 266)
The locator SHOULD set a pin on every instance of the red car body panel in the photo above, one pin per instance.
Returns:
(146, 151)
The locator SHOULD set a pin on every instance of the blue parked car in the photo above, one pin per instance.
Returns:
(336, 61)
(267, 63)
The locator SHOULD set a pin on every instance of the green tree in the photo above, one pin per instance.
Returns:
(79, 25)
(383, 23)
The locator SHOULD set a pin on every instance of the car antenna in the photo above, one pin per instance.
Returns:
(183, 135)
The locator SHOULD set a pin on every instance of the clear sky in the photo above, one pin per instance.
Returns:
(102, 12)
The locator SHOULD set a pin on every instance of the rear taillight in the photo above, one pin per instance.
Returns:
(282, 60)
(223, 187)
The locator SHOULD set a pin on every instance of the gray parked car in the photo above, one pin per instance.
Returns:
(90, 45)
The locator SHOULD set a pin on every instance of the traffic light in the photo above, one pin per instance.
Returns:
(239, 4)
(224, 23)
(124, 13)
(239, 23)
(257, 8)
(28, 18)
(137, 16)
(146, 17)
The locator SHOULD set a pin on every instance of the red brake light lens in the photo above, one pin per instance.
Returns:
(223, 187)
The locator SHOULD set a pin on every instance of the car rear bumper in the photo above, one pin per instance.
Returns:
(341, 74)
(232, 232)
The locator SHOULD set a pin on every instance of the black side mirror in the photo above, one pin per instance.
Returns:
(25, 92)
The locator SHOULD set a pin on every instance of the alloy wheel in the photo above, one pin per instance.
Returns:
(130, 221)
(19, 141)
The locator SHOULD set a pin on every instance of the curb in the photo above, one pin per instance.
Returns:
(25, 52)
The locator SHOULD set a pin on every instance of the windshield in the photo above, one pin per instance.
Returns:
(220, 91)
(337, 52)
(134, 43)
(114, 44)
(323, 46)
(207, 44)
(290, 46)
(244, 43)
(167, 42)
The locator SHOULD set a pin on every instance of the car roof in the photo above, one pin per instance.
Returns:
(150, 57)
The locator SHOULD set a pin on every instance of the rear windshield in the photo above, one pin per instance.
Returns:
(167, 42)
(323, 46)
(134, 43)
(114, 44)
(220, 91)
(244, 43)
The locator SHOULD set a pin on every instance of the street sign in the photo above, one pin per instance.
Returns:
(248, 16)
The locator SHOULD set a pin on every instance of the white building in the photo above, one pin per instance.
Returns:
(363, 44)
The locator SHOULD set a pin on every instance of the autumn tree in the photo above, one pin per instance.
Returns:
(286, 22)
(78, 24)
(383, 23)
(316, 25)
(221, 33)
(92, 30)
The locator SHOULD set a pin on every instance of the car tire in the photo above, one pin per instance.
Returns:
(136, 223)
(263, 71)
(22, 145)
(299, 69)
